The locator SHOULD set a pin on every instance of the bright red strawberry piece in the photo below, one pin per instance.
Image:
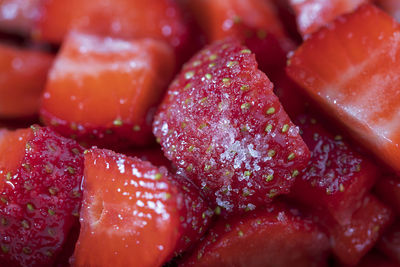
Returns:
(40, 195)
(390, 242)
(351, 241)
(19, 15)
(107, 88)
(23, 75)
(313, 14)
(223, 126)
(134, 214)
(337, 177)
(351, 70)
(159, 19)
(388, 189)
(390, 6)
(274, 237)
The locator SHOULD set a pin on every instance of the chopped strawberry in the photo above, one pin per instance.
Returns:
(40, 195)
(23, 75)
(388, 189)
(313, 14)
(274, 237)
(390, 242)
(222, 125)
(19, 15)
(351, 70)
(351, 241)
(105, 90)
(390, 6)
(337, 177)
(134, 214)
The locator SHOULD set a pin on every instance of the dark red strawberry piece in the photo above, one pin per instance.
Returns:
(337, 177)
(135, 214)
(372, 259)
(390, 242)
(40, 195)
(313, 14)
(277, 236)
(388, 189)
(223, 126)
(351, 70)
(105, 90)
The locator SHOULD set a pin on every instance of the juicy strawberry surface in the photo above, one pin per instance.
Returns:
(222, 125)
(105, 90)
(313, 14)
(274, 237)
(133, 214)
(390, 242)
(388, 189)
(22, 79)
(350, 69)
(337, 177)
(40, 195)
(19, 15)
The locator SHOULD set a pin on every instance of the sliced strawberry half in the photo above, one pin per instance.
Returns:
(274, 237)
(105, 90)
(221, 124)
(313, 14)
(40, 196)
(337, 177)
(133, 214)
(351, 70)
(23, 76)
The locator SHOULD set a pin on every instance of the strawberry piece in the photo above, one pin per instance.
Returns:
(351, 241)
(274, 237)
(134, 214)
(223, 126)
(40, 195)
(23, 75)
(313, 14)
(337, 177)
(19, 15)
(388, 189)
(106, 88)
(390, 242)
(153, 154)
(159, 19)
(390, 6)
(373, 259)
(359, 85)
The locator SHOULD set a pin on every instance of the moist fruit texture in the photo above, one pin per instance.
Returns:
(40, 195)
(221, 124)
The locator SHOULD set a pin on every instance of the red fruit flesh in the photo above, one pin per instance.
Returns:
(313, 14)
(223, 126)
(390, 242)
(19, 15)
(274, 237)
(350, 68)
(390, 6)
(104, 90)
(388, 189)
(337, 177)
(133, 215)
(23, 75)
(40, 195)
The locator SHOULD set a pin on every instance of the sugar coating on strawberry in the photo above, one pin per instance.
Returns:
(134, 214)
(104, 90)
(337, 177)
(277, 236)
(40, 195)
(221, 124)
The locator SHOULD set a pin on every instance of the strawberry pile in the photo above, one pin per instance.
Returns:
(199, 133)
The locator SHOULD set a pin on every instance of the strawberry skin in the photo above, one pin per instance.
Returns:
(350, 68)
(277, 236)
(221, 124)
(40, 195)
(337, 177)
(390, 6)
(134, 214)
(104, 90)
